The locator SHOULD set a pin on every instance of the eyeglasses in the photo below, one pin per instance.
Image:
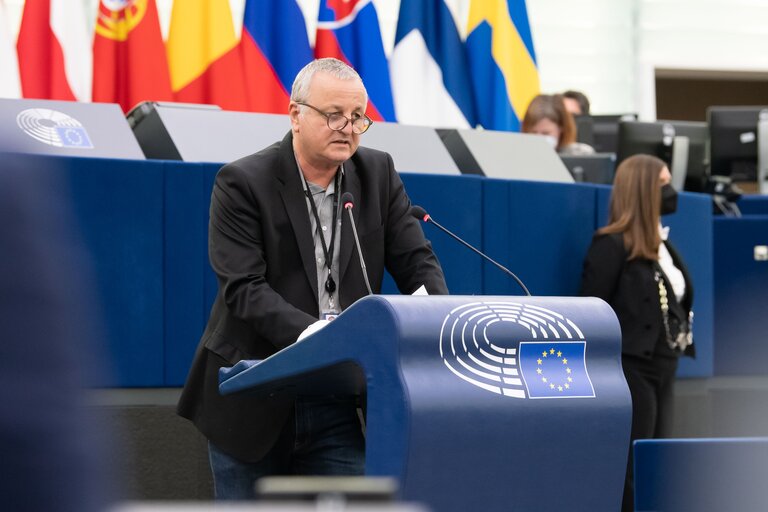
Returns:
(337, 122)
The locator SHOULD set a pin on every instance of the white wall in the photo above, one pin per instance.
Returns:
(609, 49)
(586, 45)
(715, 35)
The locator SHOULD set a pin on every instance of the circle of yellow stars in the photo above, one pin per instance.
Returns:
(552, 353)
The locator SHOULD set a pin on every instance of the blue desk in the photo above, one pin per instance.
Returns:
(701, 475)
(753, 204)
(145, 224)
(741, 286)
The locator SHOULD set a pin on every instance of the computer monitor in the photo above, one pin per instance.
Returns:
(681, 144)
(601, 131)
(739, 143)
(596, 168)
(585, 129)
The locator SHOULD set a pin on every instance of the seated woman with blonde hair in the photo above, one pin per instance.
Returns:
(547, 115)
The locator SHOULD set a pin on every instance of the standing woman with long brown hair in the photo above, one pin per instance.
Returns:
(632, 266)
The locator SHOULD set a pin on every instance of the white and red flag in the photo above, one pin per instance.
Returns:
(54, 51)
(10, 87)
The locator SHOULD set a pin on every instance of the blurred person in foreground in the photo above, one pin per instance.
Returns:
(546, 115)
(283, 252)
(633, 267)
(51, 453)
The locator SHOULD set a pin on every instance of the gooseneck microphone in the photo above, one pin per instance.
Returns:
(348, 202)
(421, 214)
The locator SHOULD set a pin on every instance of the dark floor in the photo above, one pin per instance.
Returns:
(159, 456)
(156, 454)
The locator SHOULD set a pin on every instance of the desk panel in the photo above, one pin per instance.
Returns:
(145, 225)
(691, 232)
(753, 204)
(119, 206)
(702, 475)
(456, 203)
(185, 258)
(740, 285)
(540, 231)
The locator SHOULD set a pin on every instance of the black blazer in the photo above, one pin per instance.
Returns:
(630, 289)
(262, 251)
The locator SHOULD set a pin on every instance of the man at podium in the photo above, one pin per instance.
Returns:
(282, 246)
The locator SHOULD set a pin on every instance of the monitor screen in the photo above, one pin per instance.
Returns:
(596, 168)
(602, 131)
(656, 138)
(734, 135)
(585, 129)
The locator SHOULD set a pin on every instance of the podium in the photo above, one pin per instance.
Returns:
(474, 402)
(66, 128)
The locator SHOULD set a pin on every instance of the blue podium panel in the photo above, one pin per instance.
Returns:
(185, 259)
(753, 204)
(210, 284)
(701, 475)
(691, 232)
(741, 288)
(119, 205)
(474, 403)
(456, 203)
(540, 231)
(601, 209)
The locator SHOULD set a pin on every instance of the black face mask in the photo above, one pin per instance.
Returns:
(668, 199)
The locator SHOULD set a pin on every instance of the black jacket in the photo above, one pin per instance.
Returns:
(630, 288)
(262, 251)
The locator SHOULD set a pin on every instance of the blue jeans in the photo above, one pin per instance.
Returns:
(322, 437)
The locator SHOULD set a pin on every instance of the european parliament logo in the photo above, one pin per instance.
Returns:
(555, 370)
(54, 128)
(73, 137)
(516, 350)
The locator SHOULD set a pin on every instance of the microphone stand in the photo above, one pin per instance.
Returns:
(428, 218)
(348, 205)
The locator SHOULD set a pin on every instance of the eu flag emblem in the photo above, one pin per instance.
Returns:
(555, 370)
(74, 137)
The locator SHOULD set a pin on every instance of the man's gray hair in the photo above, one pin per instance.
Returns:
(334, 67)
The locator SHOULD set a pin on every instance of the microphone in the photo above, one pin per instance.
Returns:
(421, 214)
(348, 202)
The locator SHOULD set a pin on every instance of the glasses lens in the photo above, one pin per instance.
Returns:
(360, 125)
(336, 122)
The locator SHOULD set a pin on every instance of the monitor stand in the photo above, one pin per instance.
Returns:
(678, 167)
(762, 152)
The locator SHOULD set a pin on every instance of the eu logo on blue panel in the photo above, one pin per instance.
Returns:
(74, 137)
(555, 370)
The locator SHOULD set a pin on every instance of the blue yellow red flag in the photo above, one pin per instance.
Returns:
(204, 55)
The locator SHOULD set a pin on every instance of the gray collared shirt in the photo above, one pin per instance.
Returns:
(328, 302)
